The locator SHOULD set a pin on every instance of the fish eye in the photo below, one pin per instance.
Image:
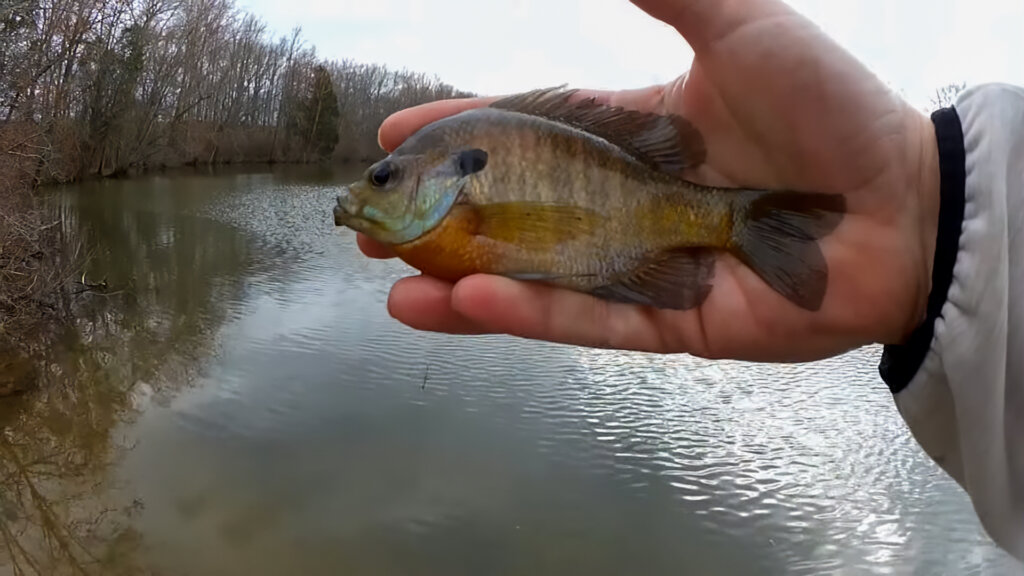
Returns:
(382, 175)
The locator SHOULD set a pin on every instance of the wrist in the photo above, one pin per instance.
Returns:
(927, 187)
(940, 193)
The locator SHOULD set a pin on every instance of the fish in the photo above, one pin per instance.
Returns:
(544, 186)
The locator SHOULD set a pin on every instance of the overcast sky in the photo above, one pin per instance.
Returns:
(483, 46)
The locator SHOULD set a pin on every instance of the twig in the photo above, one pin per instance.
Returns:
(26, 140)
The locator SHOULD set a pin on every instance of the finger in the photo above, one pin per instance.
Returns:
(425, 303)
(532, 310)
(702, 22)
(402, 124)
(648, 99)
(372, 248)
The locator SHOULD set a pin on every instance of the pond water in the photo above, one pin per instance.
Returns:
(239, 402)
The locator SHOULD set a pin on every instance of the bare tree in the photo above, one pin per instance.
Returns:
(946, 95)
(120, 86)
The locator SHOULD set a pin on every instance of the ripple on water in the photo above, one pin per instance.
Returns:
(403, 443)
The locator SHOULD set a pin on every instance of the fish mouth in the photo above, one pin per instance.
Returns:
(344, 211)
(348, 213)
(341, 216)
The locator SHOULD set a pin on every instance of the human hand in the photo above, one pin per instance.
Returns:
(780, 106)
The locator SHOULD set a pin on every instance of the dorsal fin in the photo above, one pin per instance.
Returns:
(668, 143)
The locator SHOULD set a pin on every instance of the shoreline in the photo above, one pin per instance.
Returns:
(33, 321)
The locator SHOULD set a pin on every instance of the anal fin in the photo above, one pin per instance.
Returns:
(678, 279)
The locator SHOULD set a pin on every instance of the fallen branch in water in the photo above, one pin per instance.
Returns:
(98, 288)
(91, 286)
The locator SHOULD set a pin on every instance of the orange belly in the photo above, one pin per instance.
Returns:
(453, 249)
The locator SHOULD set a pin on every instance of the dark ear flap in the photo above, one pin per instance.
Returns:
(472, 161)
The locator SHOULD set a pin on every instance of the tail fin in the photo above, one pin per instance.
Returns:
(776, 236)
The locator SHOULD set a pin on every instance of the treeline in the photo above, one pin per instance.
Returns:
(102, 87)
(97, 88)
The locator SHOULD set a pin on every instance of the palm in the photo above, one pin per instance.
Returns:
(780, 107)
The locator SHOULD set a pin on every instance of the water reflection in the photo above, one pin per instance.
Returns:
(243, 404)
(167, 276)
(52, 458)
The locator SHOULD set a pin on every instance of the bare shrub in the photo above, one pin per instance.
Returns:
(33, 265)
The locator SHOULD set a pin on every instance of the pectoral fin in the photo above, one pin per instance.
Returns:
(677, 279)
(534, 225)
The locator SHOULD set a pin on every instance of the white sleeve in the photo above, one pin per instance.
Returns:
(959, 381)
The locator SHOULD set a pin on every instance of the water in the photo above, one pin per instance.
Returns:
(240, 402)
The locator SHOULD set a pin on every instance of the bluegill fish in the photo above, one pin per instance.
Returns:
(545, 187)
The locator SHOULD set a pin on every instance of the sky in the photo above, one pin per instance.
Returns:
(503, 46)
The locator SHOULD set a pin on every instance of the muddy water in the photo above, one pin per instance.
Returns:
(237, 401)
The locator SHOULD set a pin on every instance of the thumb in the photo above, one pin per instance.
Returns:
(702, 22)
